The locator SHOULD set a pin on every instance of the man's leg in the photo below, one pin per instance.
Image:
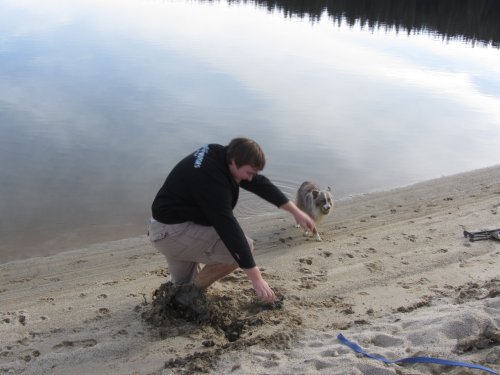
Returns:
(187, 247)
(182, 272)
(216, 271)
(211, 273)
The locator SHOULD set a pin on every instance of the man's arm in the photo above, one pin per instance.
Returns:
(265, 189)
(260, 285)
(301, 218)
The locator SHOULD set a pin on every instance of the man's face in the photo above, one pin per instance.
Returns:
(245, 172)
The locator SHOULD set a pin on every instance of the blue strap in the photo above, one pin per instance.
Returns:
(438, 361)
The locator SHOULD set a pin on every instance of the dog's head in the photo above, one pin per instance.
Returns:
(323, 200)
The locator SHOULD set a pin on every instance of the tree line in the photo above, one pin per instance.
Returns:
(473, 21)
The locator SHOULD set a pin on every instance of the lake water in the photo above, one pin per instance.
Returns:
(99, 99)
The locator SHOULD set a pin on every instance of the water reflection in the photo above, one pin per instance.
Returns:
(98, 100)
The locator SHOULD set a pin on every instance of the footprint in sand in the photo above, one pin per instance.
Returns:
(79, 262)
(310, 282)
(14, 317)
(102, 313)
(121, 332)
(374, 266)
(70, 345)
(410, 237)
(306, 283)
(22, 319)
(307, 260)
(19, 281)
(162, 272)
(442, 251)
(386, 341)
(29, 354)
(267, 360)
(47, 299)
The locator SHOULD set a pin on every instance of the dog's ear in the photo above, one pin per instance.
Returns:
(315, 193)
(328, 188)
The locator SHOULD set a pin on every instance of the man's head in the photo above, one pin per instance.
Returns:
(245, 151)
(245, 158)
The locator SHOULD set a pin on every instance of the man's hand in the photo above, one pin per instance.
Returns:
(263, 290)
(301, 218)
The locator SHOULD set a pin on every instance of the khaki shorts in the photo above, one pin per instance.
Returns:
(187, 246)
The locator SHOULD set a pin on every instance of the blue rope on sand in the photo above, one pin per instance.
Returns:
(438, 361)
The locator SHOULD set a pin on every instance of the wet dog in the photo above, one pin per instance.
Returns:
(315, 202)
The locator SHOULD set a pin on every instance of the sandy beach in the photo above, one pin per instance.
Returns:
(394, 273)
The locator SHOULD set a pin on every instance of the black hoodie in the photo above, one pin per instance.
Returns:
(201, 189)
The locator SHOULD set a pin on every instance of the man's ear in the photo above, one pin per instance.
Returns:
(315, 193)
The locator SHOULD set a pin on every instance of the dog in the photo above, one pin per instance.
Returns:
(315, 202)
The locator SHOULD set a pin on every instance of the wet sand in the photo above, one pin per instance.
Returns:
(394, 273)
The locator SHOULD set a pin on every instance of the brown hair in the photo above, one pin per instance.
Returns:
(245, 151)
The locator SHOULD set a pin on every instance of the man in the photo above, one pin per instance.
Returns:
(193, 221)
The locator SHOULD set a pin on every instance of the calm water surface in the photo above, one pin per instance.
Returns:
(99, 99)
